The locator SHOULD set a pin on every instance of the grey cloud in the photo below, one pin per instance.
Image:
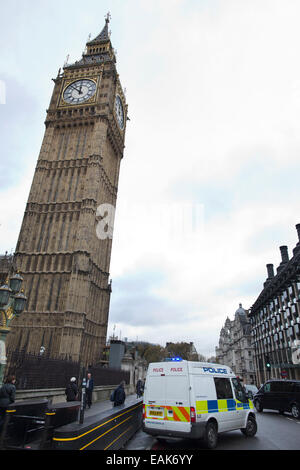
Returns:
(134, 302)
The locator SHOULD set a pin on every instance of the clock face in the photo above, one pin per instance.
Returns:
(119, 111)
(80, 91)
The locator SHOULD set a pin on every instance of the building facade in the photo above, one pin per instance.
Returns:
(7, 267)
(64, 247)
(235, 347)
(275, 319)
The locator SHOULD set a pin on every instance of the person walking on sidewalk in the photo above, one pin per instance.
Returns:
(72, 390)
(119, 394)
(89, 389)
(7, 395)
(139, 388)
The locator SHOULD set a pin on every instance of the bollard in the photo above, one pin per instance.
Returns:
(5, 425)
(82, 404)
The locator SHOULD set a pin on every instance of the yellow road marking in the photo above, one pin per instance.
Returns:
(91, 430)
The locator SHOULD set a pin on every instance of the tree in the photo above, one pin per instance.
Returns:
(182, 350)
(213, 360)
(154, 353)
(202, 358)
(151, 352)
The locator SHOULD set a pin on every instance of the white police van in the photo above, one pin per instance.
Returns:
(195, 400)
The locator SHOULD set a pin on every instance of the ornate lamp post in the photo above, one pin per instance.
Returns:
(12, 304)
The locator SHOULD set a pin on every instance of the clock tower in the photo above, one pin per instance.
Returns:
(64, 247)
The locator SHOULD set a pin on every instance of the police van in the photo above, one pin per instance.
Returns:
(195, 400)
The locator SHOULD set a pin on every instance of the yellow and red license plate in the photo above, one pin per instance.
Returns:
(156, 412)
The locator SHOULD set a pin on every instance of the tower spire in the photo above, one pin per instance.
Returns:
(104, 35)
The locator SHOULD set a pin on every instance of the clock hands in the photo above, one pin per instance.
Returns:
(80, 91)
(75, 88)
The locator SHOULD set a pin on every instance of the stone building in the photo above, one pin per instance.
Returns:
(7, 267)
(275, 319)
(124, 355)
(64, 247)
(235, 349)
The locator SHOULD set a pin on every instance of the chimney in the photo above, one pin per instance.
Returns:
(284, 257)
(270, 269)
(297, 247)
(284, 254)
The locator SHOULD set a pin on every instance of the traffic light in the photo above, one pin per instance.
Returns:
(268, 363)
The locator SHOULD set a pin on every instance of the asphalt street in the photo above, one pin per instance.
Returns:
(275, 432)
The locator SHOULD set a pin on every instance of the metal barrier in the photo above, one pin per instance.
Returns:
(109, 430)
(39, 425)
(30, 424)
(56, 416)
(24, 422)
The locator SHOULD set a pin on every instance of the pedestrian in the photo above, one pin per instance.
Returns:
(139, 388)
(119, 394)
(89, 389)
(72, 390)
(7, 395)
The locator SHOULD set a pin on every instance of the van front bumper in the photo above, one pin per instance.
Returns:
(196, 432)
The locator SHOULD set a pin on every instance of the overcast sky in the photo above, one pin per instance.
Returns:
(209, 182)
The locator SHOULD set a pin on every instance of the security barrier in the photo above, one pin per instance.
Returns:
(56, 416)
(30, 424)
(39, 425)
(109, 430)
(24, 422)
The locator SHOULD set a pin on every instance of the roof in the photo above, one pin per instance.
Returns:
(240, 310)
(104, 35)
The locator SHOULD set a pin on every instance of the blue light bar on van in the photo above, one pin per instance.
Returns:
(177, 359)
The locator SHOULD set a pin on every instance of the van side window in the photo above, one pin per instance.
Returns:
(239, 391)
(223, 388)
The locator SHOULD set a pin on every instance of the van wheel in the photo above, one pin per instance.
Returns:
(251, 427)
(295, 411)
(258, 406)
(211, 435)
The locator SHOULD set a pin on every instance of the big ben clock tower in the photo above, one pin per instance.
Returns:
(61, 253)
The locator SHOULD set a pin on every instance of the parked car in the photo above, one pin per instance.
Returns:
(251, 390)
(281, 395)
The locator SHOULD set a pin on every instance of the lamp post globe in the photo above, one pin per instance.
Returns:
(15, 283)
(12, 304)
(19, 304)
(5, 292)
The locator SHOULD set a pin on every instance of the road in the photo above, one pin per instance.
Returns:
(275, 432)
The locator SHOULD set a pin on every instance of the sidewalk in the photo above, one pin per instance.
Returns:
(106, 405)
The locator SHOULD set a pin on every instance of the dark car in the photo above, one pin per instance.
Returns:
(281, 395)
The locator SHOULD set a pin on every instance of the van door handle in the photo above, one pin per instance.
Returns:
(179, 403)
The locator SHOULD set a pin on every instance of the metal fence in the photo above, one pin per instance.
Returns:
(37, 372)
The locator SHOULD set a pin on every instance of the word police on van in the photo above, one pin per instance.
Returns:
(195, 400)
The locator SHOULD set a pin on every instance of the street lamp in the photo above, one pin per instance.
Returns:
(12, 304)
